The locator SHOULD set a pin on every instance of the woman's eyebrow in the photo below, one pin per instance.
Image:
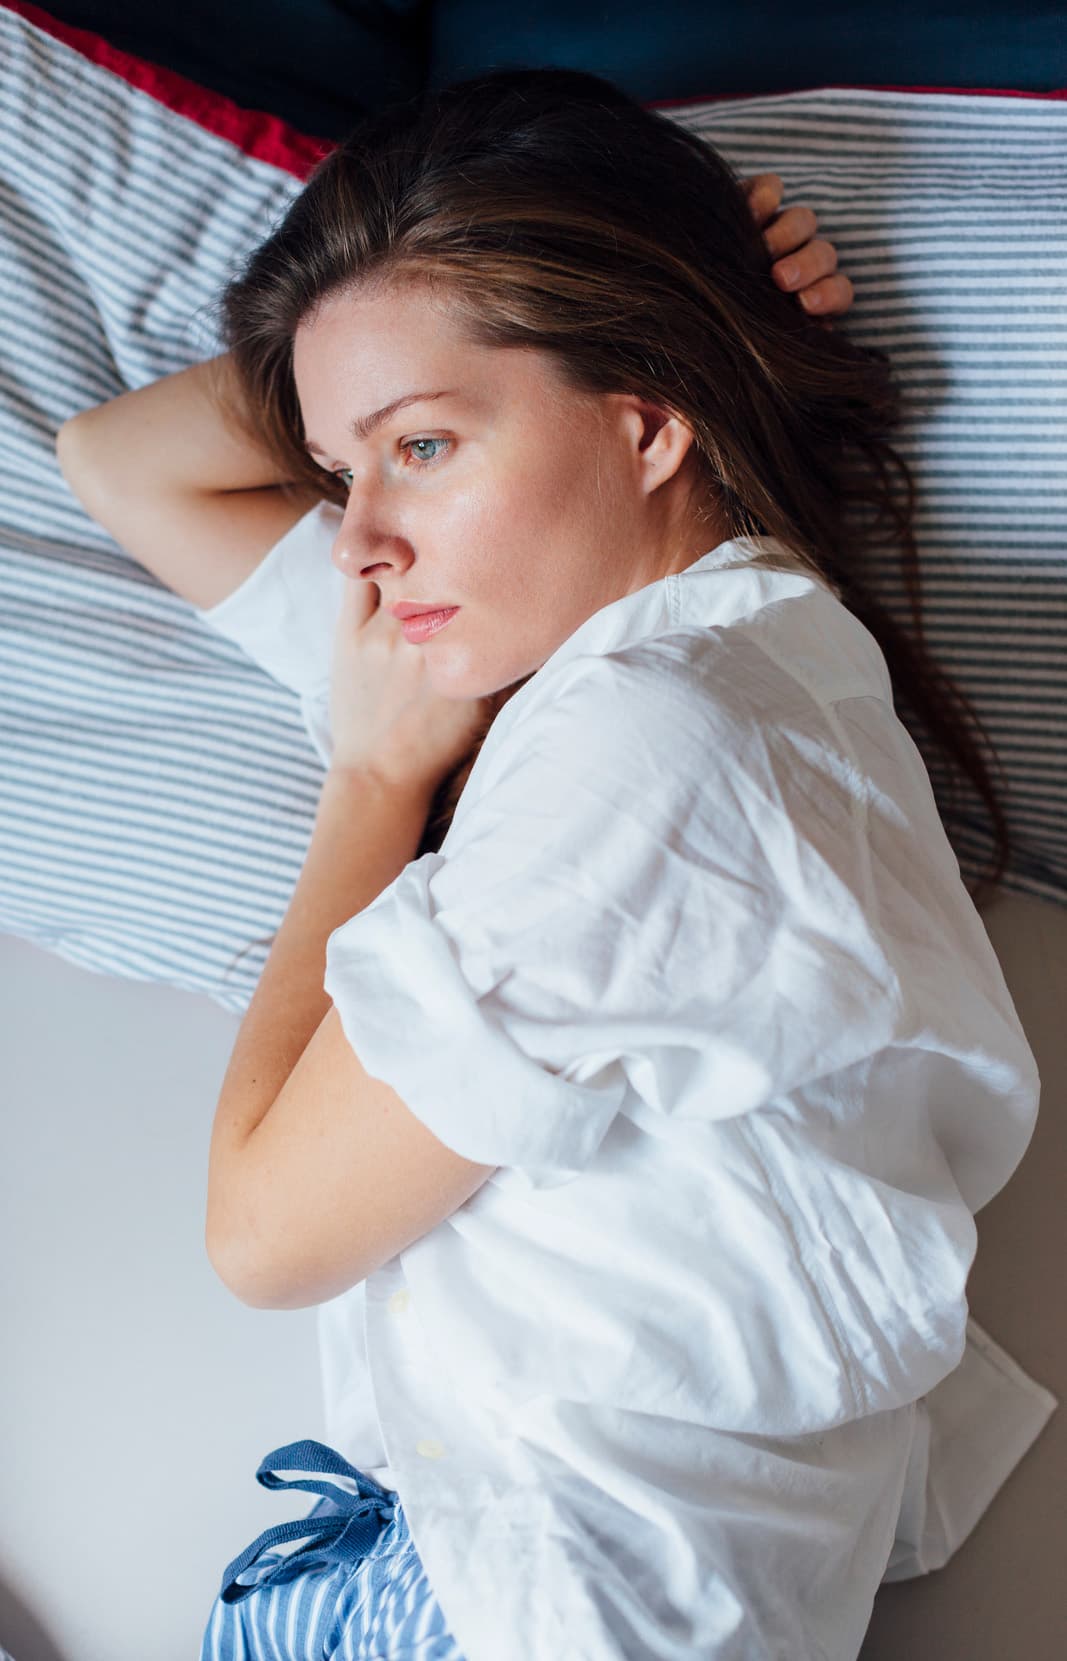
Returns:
(364, 425)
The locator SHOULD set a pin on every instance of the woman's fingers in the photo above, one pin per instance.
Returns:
(812, 275)
(803, 264)
(764, 191)
(828, 298)
(808, 265)
(359, 602)
(790, 231)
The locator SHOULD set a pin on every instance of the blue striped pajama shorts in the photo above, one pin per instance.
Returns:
(356, 1591)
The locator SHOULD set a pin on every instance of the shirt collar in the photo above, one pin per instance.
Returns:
(732, 581)
(698, 596)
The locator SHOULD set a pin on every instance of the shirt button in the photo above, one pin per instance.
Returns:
(430, 1449)
(399, 1301)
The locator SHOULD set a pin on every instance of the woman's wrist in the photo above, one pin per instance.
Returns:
(413, 793)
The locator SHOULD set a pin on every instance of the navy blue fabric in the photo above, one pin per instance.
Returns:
(319, 64)
(690, 48)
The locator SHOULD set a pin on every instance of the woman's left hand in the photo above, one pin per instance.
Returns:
(385, 718)
(804, 265)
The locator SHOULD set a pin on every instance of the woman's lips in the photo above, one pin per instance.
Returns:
(427, 623)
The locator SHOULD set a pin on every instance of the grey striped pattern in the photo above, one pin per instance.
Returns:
(949, 213)
(157, 789)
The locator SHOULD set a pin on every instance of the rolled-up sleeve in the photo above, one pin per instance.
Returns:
(605, 929)
(425, 1012)
(284, 614)
(284, 617)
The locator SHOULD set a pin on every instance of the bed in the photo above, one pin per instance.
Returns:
(157, 786)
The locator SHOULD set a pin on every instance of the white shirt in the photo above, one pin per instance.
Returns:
(696, 968)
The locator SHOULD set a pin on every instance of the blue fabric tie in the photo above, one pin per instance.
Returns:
(346, 1532)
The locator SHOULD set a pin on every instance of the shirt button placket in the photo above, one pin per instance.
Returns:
(429, 1447)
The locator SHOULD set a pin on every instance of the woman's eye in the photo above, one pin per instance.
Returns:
(411, 446)
(414, 446)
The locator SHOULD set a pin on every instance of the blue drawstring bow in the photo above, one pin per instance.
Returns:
(348, 1530)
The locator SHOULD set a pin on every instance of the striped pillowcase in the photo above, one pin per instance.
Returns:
(949, 213)
(158, 787)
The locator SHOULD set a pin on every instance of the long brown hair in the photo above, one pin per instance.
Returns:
(559, 214)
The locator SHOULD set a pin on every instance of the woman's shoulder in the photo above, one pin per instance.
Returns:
(681, 686)
(717, 682)
(641, 722)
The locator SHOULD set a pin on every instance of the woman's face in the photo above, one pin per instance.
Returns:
(511, 497)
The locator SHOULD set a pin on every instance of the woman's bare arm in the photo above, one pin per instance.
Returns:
(172, 475)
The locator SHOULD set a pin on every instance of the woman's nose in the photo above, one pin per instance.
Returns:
(363, 547)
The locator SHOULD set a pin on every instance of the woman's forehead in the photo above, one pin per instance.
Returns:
(354, 373)
(410, 308)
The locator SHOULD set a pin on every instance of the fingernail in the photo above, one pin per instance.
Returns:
(813, 302)
(789, 273)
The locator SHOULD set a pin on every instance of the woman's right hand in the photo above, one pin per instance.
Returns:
(386, 718)
(804, 265)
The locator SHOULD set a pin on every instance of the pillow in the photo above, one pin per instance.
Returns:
(948, 214)
(159, 786)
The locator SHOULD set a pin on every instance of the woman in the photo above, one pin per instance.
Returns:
(632, 1141)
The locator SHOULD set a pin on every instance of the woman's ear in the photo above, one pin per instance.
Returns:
(661, 439)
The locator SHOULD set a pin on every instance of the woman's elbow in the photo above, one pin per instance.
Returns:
(254, 1277)
(70, 451)
(238, 1268)
(91, 472)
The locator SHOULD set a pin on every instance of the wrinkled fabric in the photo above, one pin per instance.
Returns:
(695, 968)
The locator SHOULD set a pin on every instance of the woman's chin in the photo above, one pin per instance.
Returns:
(453, 672)
(456, 679)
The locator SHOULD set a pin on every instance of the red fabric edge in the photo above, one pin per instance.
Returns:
(266, 137)
(838, 86)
